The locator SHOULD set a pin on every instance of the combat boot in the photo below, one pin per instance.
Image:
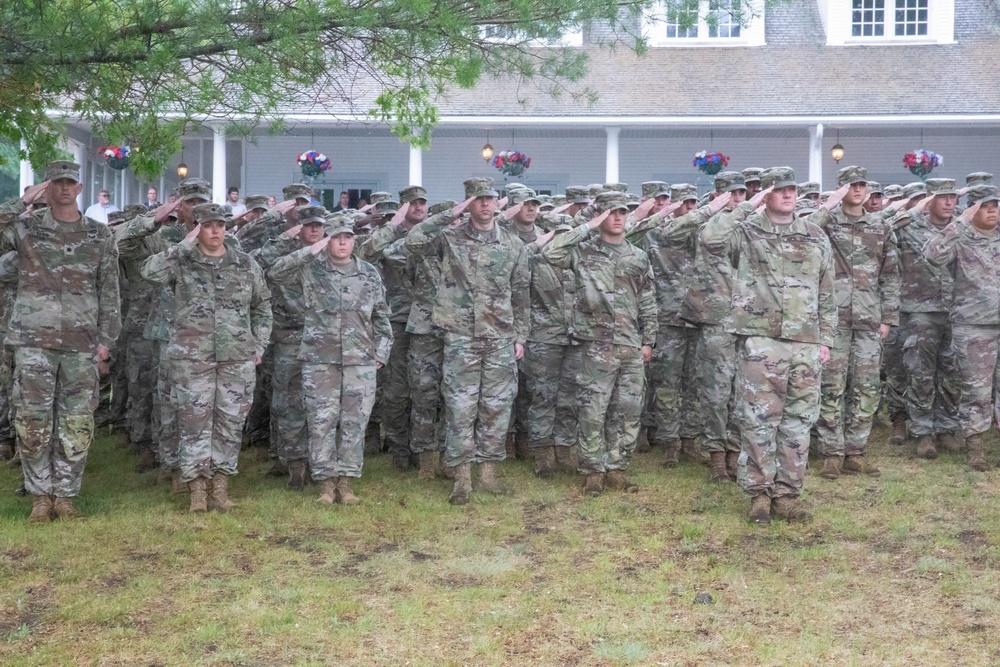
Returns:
(545, 462)
(595, 484)
(671, 453)
(760, 509)
(345, 494)
(950, 442)
(521, 450)
(296, 475)
(147, 460)
(857, 465)
(642, 442)
(41, 509)
(218, 499)
(199, 494)
(488, 481)
(732, 462)
(925, 447)
(690, 450)
(616, 479)
(63, 509)
(446, 472)
(977, 459)
(428, 466)
(279, 469)
(463, 484)
(789, 509)
(327, 491)
(832, 467)
(565, 460)
(373, 439)
(6, 451)
(718, 472)
(176, 487)
(898, 435)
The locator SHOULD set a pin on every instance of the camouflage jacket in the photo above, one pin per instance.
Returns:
(426, 274)
(710, 292)
(287, 300)
(867, 268)
(9, 274)
(386, 249)
(973, 260)
(138, 239)
(254, 235)
(553, 295)
(483, 288)
(783, 280)
(925, 288)
(222, 309)
(67, 294)
(346, 316)
(526, 236)
(615, 297)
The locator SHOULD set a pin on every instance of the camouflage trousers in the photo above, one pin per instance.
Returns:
(977, 366)
(893, 371)
(931, 395)
(610, 401)
(424, 362)
(396, 394)
(258, 427)
(676, 406)
(141, 387)
(288, 411)
(478, 386)
(715, 360)
(165, 411)
(339, 401)
(777, 403)
(112, 404)
(6, 382)
(522, 401)
(55, 394)
(550, 378)
(212, 401)
(849, 395)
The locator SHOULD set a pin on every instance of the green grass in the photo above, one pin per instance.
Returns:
(900, 570)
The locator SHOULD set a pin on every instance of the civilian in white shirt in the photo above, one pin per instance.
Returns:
(100, 210)
(236, 206)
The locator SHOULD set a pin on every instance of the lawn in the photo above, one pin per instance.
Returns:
(900, 570)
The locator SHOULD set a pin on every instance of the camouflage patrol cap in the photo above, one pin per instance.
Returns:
(521, 196)
(206, 213)
(776, 177)
(804, 207)
(683, 192)
(442, 206)
(134, 211)
(941, 186)
(809, 188)
(616, 187)
(652, 189)
(62, 169)
(386, 207)
(911, 190)
(115, 217)
(727, 181)
(874, 188)
(982, 192)
(577, 194)
(338, 223)
(479, 187)
(510, 187)
(594, 189)
(979, 178)
(545, 203)
(256, 202)
(852, 174)
(412, 193)
(892, 191)
(611, 201)
(633, 200)
(752, 174)
(309, 215)
(194, 188)
(297, 191)
(559, 222)
(376, 197)
(558, 200)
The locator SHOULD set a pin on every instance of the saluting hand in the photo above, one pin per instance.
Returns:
(283, 207)
(720, 202)
(459, 209)
(163, 211)
(502, 202)
(923, 203)
(836, 197)
(564, 207)
(969, 213)
(758, 198)
(400, 215)
(191, 237)
(509, 213)
(544, 238)
(34, 192)
(644, 209)
(596, 221)
(291, 233)
(319, 246)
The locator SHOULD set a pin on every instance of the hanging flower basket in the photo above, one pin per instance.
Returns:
(313, 163)
(710, 163)
(511, 163)
(115, 156)
(922, 162)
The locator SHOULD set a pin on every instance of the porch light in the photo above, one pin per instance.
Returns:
(487, 151)
(838, 150)
(182, 170)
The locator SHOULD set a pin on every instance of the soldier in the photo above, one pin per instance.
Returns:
(867, 288)
(810, 190)
(577, 198)
(8, 292)
(891, 193)
(615, 318)
(751, 178)
(256, 232)
(256, 208)
(874, 203)
(783, 303)
(482, 305)
(221, 323)
(112, 405)
(345, 339)
(64, 322)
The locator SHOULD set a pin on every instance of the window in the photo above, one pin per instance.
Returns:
(705, 23)
(903, 18)
(510, 34)
(722, 20)
(911, 17)
(682, 21)
(868, 18)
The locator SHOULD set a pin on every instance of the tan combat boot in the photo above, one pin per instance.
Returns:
(41, 509)
(595, 484)
(718, 471)
(199, 494)
(732, 462)
(345, 494)
(176, 487)
(642, 442)
(977, 459)
(63, 509)
(760, 509)
(671, 453)
(788, 508)
(545, 462)
(898, 435)
(832, 467)
(428, 466)
(565, 460)
(296, 475)
(218, 499)
(951, 442)
(616, 479)
(327, 491)
(857, 465)
(925, 447)
(488, 481)
(463, 485)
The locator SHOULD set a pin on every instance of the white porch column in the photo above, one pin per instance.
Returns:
(611, 162)
(80, 157)
(27, 173)
(416, 166)
(218, 164)
(816, 154)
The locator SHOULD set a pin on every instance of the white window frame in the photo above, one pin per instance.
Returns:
(654, 26)
(572, 38)
(837, 18)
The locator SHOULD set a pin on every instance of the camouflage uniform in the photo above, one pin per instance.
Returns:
(522, 400)
(783, 305)
(8, 292)
(67, 304)
(346, 333)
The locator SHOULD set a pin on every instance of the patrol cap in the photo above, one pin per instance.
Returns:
(982, 192)
(309, 215)
(442, 206)
(633, 200)
(941, 186)
(338, 223)
(911, 190)
(577, 194)
(979, 178)
(514, 186)
(727, 181)
(776, 177)
(386, 207)
(376, 197)
(62, 169)
(559, 222)
(545, 203)
(558, 200)
(256, 201)
(652, 189)
(809, 188)
(595, 189)
(194, 188)
(874, 188)
(412, 193)
(297, 191)
(115, 217)
(752, 174)
(134, 210)
(852, 174)
(205, 213)
(683, 192)
(616, 187)
(611, 201)
(804, 207)
(521, 196)
(39, 203)
(892, 191)
(479, 187)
